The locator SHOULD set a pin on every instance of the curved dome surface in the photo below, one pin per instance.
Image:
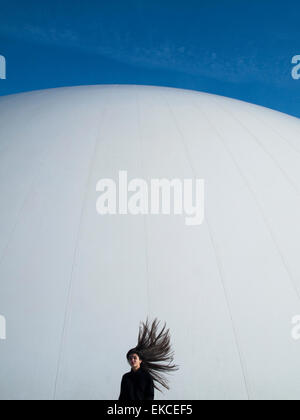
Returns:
(75, 285)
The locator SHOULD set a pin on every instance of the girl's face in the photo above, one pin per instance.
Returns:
(134, 361)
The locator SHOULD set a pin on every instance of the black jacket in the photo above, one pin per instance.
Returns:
(137, 386)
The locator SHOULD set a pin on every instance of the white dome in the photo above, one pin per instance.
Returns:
(75, 285)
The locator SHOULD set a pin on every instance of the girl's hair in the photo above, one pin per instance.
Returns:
(153, 348)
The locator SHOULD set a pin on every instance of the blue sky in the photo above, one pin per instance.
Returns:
(237, 48)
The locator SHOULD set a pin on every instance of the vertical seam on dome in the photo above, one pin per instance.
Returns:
(70, 286)
(144, 216)
(278, 133)
(29, 191)
(261, 146)
(220, 271)
(260, 209)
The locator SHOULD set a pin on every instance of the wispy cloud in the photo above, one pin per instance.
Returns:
(194, 51)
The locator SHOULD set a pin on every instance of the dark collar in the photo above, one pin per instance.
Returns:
(136, 371)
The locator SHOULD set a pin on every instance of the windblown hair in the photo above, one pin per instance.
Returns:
(154, 348)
